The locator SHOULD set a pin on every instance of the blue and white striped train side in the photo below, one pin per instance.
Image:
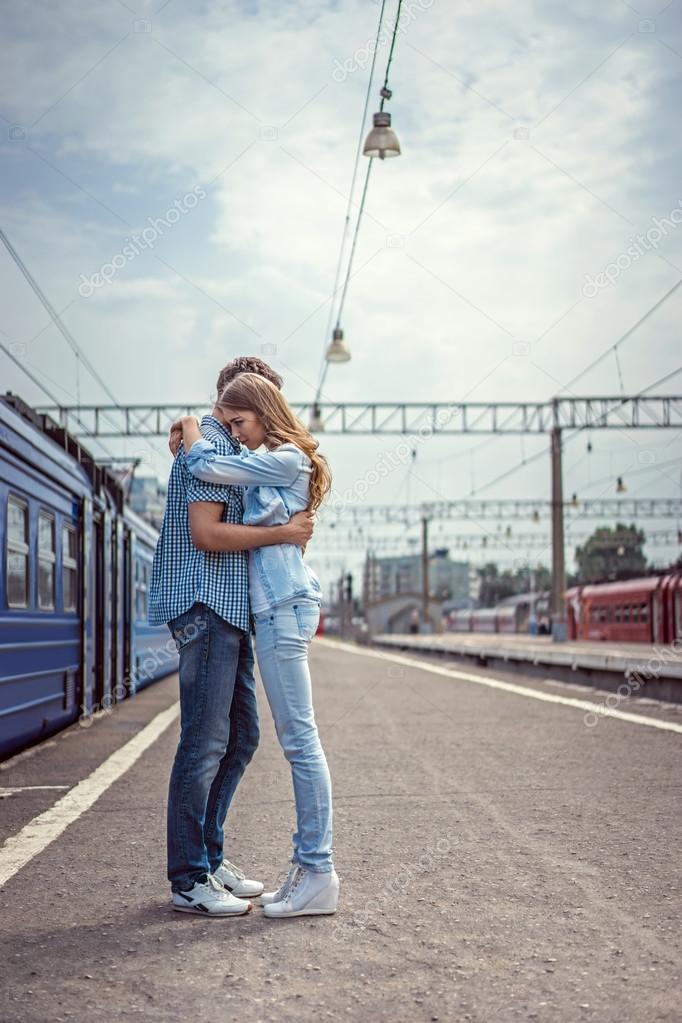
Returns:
(74, 573)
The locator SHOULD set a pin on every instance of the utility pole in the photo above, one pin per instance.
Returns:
(558, 607)
(426, 618)
(342, 605)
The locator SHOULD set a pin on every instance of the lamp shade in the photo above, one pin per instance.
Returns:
(338, 350)
(316, 425)
(382, 141)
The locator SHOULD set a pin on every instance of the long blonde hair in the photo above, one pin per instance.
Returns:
(250, 392)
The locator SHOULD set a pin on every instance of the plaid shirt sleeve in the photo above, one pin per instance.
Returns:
(199, 491)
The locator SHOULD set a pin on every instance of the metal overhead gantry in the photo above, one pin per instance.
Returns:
(421, 420)
(331, 541)
(527, 510)
(417, 418)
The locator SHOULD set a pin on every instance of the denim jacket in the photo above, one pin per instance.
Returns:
(276, 487)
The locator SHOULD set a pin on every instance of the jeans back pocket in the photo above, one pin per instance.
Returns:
(308, 618)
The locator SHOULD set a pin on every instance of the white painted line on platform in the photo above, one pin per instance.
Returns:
(35, 836)
(27, 788)
(598, 709)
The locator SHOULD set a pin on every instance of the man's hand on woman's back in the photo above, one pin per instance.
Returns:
(301, 527)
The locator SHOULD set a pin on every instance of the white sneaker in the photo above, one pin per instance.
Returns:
(236, 881)
(209, 898)
(268, 897)
(311, 893)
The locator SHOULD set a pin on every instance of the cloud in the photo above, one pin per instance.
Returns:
(536, 141)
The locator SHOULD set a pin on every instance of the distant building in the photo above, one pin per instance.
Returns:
(386, 577)
(148, 498)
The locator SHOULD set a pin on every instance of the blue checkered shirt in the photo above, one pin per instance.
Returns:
(183, 575)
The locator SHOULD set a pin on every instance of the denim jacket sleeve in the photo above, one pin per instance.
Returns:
(277, 468)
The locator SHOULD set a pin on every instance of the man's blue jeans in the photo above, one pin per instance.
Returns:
(283, 635)
(219, 734)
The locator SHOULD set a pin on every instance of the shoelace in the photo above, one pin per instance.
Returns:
(214, 883)
(235, 870)
(295, 882)
(286, 884)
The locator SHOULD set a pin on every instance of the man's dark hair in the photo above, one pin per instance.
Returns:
(247, 364)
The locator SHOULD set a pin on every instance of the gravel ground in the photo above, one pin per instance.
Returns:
(498, 861)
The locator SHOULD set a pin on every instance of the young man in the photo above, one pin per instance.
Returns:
(199, 588)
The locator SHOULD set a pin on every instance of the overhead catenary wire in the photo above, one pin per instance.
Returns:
(361, 208)
(626, 335)
(34, 380)
(612, 348)
(62, 328)
(31, 377)
(573, 433)
(55, 317)
(654, 467)
(346, 223)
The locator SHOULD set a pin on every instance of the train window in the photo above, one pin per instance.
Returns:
(626, 613)
(617, 613)
(635, 612)
(644, 609)
(70, 568)
(17, 553)
(46, 561)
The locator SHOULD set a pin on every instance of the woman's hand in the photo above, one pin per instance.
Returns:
(175, 437)
(185, 429)
(190, 431)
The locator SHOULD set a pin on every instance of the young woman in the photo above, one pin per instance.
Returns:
(285, 597)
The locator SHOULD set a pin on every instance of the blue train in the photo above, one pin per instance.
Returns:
(74, 576)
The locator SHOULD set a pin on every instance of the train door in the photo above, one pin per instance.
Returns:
(119, 673)
(673, 604)
(672, 608)
(656, 617)
(86, 696)
(97, 607)
(128, 607)
(106, 608)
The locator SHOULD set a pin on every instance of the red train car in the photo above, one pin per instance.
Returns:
(459, 621)
(484, 619)
(510, 616)
(647, 610)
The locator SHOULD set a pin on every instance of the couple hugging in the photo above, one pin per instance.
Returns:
(230, 556)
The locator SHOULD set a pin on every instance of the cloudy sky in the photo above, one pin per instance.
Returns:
(538, 141)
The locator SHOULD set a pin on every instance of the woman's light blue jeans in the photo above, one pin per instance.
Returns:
(283, 635)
